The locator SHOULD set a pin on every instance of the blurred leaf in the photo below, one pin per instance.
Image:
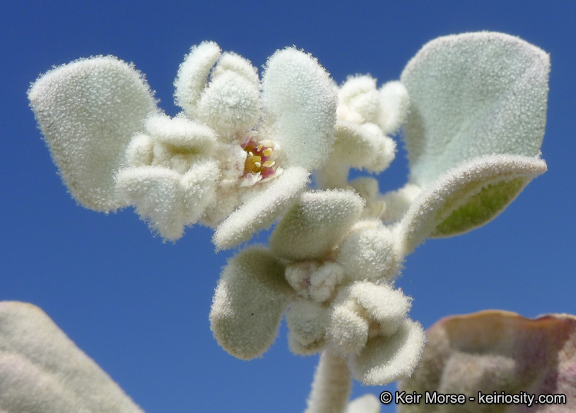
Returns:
(42, 370)
(494, 352)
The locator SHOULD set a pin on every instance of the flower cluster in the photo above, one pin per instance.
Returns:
(335, 253)
(335, 274)
(240, 155)
(235, 158)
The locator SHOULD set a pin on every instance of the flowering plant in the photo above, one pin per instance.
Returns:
(239, 158)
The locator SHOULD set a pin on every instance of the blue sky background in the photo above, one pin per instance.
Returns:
(140, 307)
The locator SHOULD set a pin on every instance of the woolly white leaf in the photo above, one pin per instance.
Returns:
(193, 75)
(230, 105)
(357, 146)
(394, 103)
(42, 370)
(140, 151)
(370, 253)
(334, 173)
(316, 224)
(359, 100)
(386, 359)
(398, 202)
(467, 197)
(368, 189)
(158, 198)
(166, 199)
(366, 146)
(473, 95)
(365, 310)
(360, 141)
(348, 330)
(385, 305)
(88, 111)
(261, 210)
(182, 133)
(364, 404)
(248, 304)
(307, 322)
(231, 62)
(300, 96)
(199, 188)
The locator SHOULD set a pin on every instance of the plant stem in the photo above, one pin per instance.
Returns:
(332, 385)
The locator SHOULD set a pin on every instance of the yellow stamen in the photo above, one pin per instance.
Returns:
(259, 163)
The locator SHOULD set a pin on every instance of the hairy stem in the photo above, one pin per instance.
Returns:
(332, 385)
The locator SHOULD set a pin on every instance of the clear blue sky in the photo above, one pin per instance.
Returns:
(139, 307)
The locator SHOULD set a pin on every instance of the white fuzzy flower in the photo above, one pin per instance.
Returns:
(268, 142)
(334, 273)
(238, 155)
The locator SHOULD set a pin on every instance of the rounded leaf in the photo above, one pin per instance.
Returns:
(359, 100)
(387, 359)
(232, 62)
(385, 305)
(369, 253)
(248, 304)
(262, 209)
(301, 98)
(230, 105)
(348, 330)
(88, 111)
(182, 133)
(315, 224)
(395, 103)
(364, 146)
(193, 75)
(167, 199)
(472, 95)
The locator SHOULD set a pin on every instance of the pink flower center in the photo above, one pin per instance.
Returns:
(260, 159)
